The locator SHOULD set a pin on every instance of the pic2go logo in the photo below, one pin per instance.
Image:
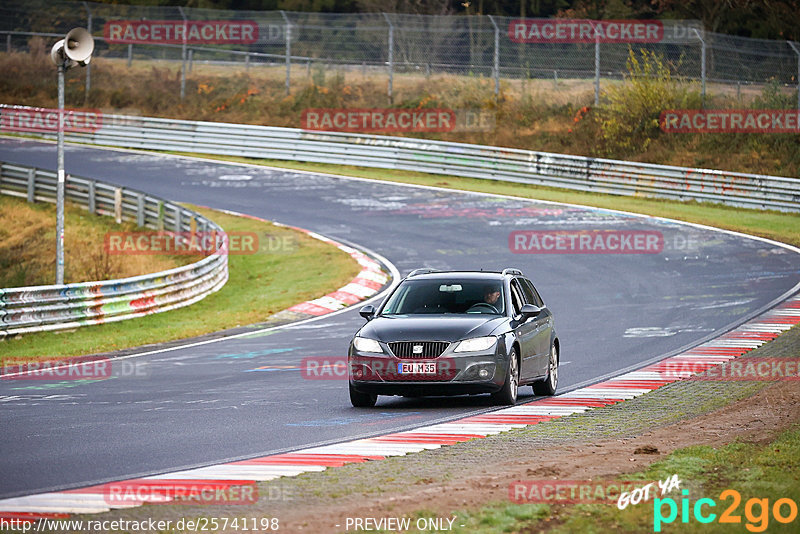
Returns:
(756, 511)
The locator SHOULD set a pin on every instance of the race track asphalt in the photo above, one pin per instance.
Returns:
(245, 397)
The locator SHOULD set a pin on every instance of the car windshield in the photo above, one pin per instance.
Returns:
(415, 297)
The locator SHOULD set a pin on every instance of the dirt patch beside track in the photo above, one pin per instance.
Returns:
(755, 419)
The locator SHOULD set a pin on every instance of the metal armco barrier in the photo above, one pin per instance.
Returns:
(440, 157)
(41, 308)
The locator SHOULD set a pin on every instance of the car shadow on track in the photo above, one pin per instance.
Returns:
(437, 403)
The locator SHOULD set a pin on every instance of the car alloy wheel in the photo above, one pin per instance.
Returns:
(550, 383)
(508, 394)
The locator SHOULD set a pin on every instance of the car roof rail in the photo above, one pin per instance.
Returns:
(424, 270)
(513, 271)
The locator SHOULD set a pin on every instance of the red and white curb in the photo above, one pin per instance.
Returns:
(366, 284)
(160, 488)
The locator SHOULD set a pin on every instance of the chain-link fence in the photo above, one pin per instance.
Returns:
(496, 47)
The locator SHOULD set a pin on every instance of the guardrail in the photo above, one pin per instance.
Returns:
(439, 157)
(41, 308)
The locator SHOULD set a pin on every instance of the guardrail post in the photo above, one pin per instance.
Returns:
(796, 51)
(118, 204)
(130, 55)
(160, 219)
(178, 221)
(496, 56)
(391, 56)
(140, 209)
(288, 37)
(702, 66)
(247, 62)
(8, 43)
(31, 185)
(92, 197)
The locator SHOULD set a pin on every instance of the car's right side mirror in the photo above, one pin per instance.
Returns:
(367, 312)
(529, 310)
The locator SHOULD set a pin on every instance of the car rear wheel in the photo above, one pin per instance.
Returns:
(550, 383)
(362, 400)
(508, 394)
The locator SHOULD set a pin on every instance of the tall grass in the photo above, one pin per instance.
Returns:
(537, 114)
(28, 247)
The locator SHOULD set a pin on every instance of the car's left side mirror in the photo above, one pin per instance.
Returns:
(367, 312)
(529, 310)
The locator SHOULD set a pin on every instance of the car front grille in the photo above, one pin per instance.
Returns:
(430, 349)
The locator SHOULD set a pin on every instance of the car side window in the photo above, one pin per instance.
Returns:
(527, 294)
(531, 293)
(516, 298)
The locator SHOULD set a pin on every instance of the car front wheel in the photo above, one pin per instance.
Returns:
(362, 400)
(548, 386)
(508, 394)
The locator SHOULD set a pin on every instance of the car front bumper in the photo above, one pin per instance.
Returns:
(455, 374)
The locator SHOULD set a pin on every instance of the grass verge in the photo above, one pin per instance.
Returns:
(28, 246)
(783, 227)
(760, 474)
(259, 285)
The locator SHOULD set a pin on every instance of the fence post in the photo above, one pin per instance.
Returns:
(88, 86)
(191, 59)
(555, 80)
(118, 204)
(31, 185)
(288, 33)
(140, 209)
(130, 54)
(247, 61)
(8, 43)
(92, 198)
(702, 66)
(596, 66)
(183, 54)
(496, 56)
(391, 55)
(796, 51)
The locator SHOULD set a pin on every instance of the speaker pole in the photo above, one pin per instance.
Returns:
(75, 49)
(60, 182)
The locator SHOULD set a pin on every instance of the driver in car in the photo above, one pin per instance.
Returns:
(491, 294)
(491, 301)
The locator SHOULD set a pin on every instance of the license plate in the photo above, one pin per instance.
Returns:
(417, 368)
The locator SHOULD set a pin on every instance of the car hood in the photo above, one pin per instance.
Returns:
(430, 328)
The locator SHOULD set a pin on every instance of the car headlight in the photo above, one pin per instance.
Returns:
(476, 344)
(363, 344)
